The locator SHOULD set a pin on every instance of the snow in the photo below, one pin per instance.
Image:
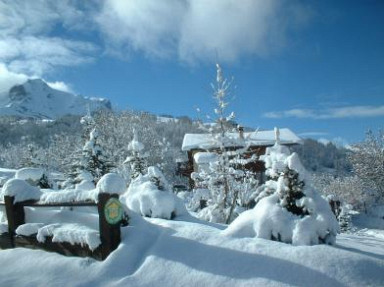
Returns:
(5, 174)
(28, 229)
(30, 173)
(85, 191)
(271, 218)
(111, 183)
(71, 233)
(86, 181)
(68, 195)
(165, 119)
(77, 225)
(193, 198)
(135, 145)
(36, 99)
(259, 138)
(145, 198)
(20, 189)
(189, 252)
(205, 157)
(85, 185)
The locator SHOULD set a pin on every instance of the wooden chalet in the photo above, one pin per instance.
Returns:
(201, 147)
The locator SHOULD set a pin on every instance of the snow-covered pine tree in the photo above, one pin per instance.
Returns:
(88, 123)
(76, 163)
(283, 179)
(31, 159)
(293, 192)
(289, 209)
(93, 159)
(158, 179)
(137, 160)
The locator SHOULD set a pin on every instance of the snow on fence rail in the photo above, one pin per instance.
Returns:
(110, 218)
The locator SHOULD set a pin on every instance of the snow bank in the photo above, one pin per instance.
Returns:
(196, 197)
(20, 189)
(189, 252)
(68, 195)
(111, 183)
(71, 233)
(148, 199)
(6, 174)
(28, 229)
(288, 208)
(30, 173)
(85, 180)
(85, 185)
(269, 220)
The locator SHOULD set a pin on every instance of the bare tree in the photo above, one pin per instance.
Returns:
(367, 161)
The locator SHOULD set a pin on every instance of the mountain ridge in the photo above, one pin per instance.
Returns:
(36, 99)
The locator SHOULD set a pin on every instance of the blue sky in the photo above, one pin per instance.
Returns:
(316, 67)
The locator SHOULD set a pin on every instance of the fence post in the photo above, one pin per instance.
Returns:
(110, 216)
(15, 216)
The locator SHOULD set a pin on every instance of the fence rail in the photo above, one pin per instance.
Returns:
(109, 231)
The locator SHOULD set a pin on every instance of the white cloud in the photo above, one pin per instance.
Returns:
(145, 25)
(27, 44)
(38, 55)
(8, 79)
(198, 29)
(188, 30)
(330, 113)
(61, 86)
(20, 17)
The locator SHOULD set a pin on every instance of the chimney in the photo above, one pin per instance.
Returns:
(277, 135)
(241, 132)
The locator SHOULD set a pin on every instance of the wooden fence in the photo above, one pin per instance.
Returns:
(109, 229)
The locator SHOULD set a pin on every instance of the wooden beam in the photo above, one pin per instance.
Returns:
(15, 215)
(64, 248)
(109, 233)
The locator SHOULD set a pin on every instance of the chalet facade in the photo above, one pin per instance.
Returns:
(201, 149)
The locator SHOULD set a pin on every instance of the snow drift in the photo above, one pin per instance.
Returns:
(288, 208)
(150, 195)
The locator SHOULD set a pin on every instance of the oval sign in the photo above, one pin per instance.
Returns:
(113, 211)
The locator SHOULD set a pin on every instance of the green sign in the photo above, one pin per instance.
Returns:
(113, 211)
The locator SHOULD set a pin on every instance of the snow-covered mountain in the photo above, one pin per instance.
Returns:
(36, 99)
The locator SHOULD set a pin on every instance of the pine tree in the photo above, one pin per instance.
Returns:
(88, 123)
(137, 159)
(31, 157)
(158, 179)
(94, 161)
(282, 179)
(289, 197)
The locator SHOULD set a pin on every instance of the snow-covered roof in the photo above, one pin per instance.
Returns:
(259, 138)
(205, 157)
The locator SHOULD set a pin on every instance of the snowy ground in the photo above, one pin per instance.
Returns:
(189, 252)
